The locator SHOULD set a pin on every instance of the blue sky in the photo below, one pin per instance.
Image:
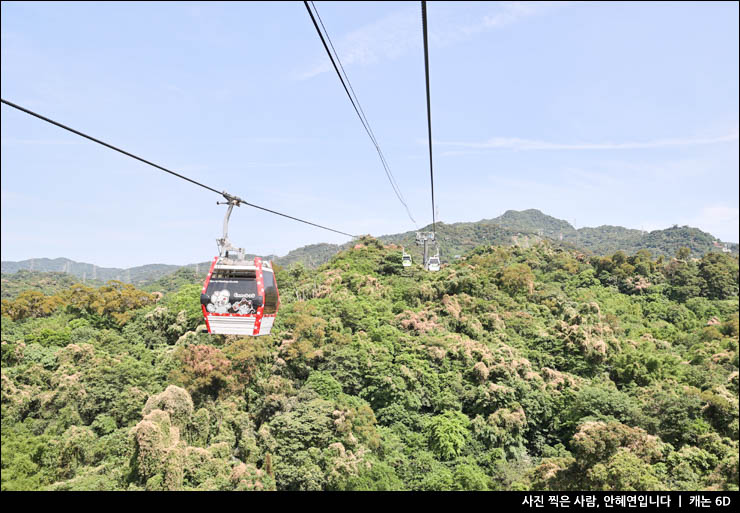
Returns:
(597, 113)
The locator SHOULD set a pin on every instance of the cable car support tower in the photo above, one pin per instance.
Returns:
(423, 239)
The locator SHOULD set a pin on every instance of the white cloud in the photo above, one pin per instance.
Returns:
(508, 13)
(515, 143)
(388, 37)
(400, 32)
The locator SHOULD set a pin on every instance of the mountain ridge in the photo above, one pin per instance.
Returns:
(510, 228)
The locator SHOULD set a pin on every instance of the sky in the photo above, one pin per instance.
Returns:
(596, 113)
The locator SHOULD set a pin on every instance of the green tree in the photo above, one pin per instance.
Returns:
(719, 273)
(517, 278)
(448, 433)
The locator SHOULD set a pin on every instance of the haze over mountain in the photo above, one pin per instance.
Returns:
(513, 227)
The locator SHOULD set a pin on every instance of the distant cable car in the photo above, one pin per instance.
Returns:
(240, 295)
(406, 258)
(433, 264)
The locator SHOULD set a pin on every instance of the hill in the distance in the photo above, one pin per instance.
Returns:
(522, 228)
(85, 271)
(607, 239)
(40, 281)
(519, 228)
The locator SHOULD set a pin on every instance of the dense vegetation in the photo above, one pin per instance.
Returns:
(609, 239)
(533, 221)
(46, 282)
(511, 368)
(311, 256)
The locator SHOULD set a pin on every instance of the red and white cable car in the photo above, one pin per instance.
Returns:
(240, 295)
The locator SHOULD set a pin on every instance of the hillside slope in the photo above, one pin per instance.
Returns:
(511, 368)
(44, 282)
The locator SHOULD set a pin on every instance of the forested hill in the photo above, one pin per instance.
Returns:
(85, 271)
(520, 228)
(533, 221)
(533, 368)
(46, 282)
(459, 238)
(530, 226)
(608, 239)
(311, 256)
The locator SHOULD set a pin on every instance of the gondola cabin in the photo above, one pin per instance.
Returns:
(433, 264)
(240, 297)
(405, 258)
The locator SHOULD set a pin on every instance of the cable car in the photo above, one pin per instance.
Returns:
(433, 262)
(240, 295)
(406, 258)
